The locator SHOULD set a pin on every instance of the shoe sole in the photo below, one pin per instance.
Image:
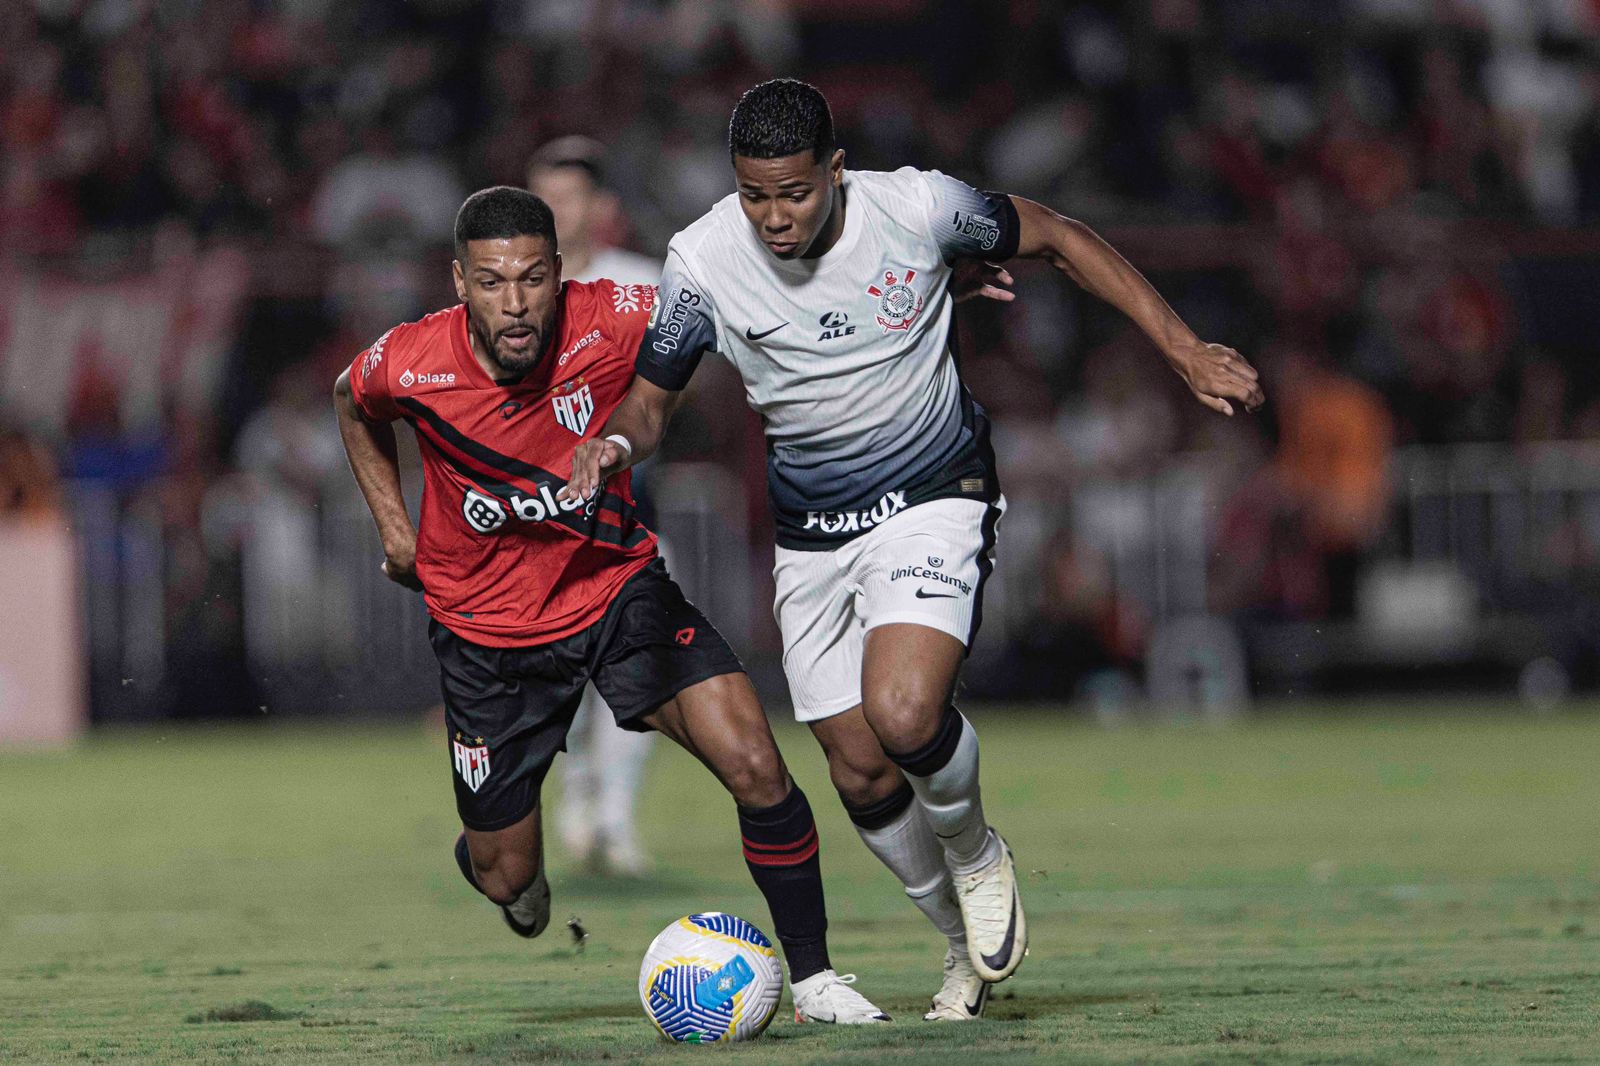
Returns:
(1003, 963)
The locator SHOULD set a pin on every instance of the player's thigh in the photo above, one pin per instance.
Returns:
(922, 581)
(720, 721)
(662, 665)
(507, 711)
(861, 771)
(822, 633)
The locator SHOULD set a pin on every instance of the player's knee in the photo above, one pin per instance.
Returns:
(905, 713)
(862, 778)
(757, 778)
(507, 878)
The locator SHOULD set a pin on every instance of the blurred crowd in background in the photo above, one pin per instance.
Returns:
(208, 207)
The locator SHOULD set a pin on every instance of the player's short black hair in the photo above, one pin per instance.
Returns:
(503, 211)
(781, 117)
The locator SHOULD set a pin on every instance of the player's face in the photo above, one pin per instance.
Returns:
(790, 201)
(510, 286)
(573, 200)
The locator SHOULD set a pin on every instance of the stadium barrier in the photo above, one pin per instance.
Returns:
(275, 603)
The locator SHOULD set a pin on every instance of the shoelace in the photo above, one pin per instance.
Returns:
(846, 979)
(993, 916)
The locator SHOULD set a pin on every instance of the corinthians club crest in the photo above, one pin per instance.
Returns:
(898, 303)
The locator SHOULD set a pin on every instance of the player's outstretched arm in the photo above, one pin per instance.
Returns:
(376, 464)
(640, 419)
(1215, 373)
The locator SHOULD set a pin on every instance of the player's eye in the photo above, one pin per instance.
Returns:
(488, 283)
(798, 196)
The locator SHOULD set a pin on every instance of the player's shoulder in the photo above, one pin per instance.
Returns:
(411, 342)
(709, 239)
(609, 306)
(904, 191)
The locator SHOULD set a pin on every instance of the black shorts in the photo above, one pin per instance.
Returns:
(508, 709)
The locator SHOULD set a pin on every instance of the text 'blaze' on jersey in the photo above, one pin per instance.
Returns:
(847, 357)
(503, 562)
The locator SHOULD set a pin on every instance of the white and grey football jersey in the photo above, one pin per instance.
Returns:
(847, 357)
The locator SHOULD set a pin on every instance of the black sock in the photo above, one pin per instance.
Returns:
(780, 847)
(464, 860)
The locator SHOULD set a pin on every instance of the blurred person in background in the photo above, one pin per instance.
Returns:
(597, 820)
(29, 487)
(1335, 437)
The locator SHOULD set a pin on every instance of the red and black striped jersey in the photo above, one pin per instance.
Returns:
(503, 562)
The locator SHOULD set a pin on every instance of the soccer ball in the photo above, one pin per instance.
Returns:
(710, 977)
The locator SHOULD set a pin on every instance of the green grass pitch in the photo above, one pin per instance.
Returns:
(1391, 886)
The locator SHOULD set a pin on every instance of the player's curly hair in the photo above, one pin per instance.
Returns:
(781, 117)
(503, 211)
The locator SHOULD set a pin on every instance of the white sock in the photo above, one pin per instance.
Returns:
(952, 802)
(912, 853)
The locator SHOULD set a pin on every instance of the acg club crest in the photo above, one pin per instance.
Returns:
(472, 763)
(898, 303)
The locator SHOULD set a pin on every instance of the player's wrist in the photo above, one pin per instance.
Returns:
(624, 443)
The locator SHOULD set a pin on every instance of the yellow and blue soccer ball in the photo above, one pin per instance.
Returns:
(710, 978)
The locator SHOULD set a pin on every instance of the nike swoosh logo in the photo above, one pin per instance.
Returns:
(753, 335)
(999, 959)
(975, 1008)
(923, 594)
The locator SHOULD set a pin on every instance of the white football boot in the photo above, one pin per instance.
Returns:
(991, 910)
(828, 997)
(963, 995)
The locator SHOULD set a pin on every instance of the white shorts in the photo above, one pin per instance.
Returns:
(925, 565)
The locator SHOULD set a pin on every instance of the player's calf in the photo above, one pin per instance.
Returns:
(509, 877)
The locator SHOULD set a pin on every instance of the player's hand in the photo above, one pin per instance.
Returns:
(972, 278)
(1216, 374)
(592, 463)
(400, 566)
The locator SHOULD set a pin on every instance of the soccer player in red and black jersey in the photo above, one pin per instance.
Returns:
(531, 597)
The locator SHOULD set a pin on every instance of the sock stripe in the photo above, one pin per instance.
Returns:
(936, 753)
(880, 813)
(790, 854)
(794, 859)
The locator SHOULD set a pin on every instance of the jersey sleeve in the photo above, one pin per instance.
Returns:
(682, 327)
(969, 223)
(369, 383)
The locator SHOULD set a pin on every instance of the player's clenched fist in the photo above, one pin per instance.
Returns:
(400, 565)
(1217, 374)
(592, 463)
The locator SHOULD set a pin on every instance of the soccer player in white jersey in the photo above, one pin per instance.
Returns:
(829, 291)
(604, 764)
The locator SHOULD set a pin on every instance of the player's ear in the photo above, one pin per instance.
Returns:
(836, 168)
(460, 280)
(555, 269)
